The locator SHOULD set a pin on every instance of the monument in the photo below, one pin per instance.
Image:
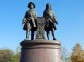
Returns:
(40, 49)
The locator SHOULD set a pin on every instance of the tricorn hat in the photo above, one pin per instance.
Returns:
(30, 4)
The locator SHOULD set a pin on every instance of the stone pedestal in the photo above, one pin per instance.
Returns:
(40, 51)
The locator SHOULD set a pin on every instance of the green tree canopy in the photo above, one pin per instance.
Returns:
(7, 55)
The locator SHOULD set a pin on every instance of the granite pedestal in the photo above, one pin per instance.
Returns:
(40, 51)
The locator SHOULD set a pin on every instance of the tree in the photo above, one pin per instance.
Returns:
(17, 57)
(77, 54)
(18, 53)
(68, 59)
(7, 55)
(65, 54)
(18, 49)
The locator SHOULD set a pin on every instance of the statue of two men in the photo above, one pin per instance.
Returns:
(30, 20)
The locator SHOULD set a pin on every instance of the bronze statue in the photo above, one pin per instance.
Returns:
(50, 21)
(30, 21)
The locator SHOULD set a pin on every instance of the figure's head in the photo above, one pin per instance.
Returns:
(31, 5)
(48, 6)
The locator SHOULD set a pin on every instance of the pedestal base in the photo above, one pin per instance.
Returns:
(40, 51)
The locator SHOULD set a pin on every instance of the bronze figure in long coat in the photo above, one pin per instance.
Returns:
(50, 20)
(31, 17)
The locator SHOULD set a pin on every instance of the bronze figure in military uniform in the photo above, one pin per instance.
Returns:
(30, 17)
(50, 21)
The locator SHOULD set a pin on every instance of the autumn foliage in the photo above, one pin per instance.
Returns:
(77, 54)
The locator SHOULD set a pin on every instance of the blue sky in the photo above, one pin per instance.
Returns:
(69, 14)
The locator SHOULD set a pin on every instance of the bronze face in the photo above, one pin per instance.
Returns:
(31, 6)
